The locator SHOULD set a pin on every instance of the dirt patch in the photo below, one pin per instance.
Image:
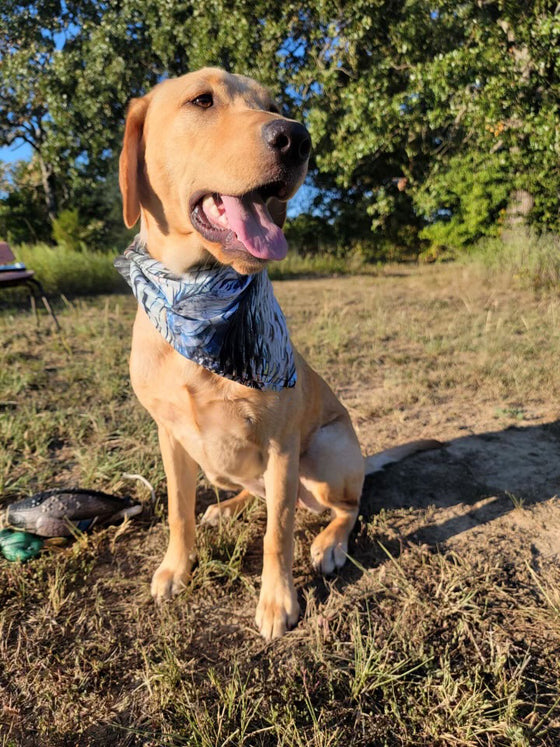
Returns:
(493, 491)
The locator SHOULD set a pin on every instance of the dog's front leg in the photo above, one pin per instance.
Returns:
(278, 607)
(181, 472)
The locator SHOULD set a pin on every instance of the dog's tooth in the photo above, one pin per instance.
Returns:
(208, 204)
(210, 208)
(214, 210)
(222, 217)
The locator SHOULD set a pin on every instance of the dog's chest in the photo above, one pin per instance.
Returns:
(219, 423)
(224, 436)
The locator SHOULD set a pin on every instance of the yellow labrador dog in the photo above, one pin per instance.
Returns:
(207, 165)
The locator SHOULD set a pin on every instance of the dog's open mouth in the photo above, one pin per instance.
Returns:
(242, 222)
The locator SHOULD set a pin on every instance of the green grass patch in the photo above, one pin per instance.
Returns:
(320, 265)
(529, 258)
(73, 273)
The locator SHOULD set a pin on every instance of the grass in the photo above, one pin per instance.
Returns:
(66, 271)
(297, 266)
(71, 273)
(529, 258)
(411, 644)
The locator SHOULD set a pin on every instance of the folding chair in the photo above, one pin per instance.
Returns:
(14, 273)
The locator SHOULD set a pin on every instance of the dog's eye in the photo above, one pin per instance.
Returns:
(274, 109)
(204, 101)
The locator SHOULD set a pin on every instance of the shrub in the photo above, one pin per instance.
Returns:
(70, 232)
(529, 257)
(465, 202)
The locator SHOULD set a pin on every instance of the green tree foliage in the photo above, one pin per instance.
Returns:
(425, 114)
(504, 132)
(409, 96)
(23, 213)
(467, 198)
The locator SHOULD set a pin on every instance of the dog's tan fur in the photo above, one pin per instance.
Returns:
(279, 445)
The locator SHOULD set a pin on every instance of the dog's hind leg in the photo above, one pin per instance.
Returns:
(332, 476)
(227, 509)
(181, 471)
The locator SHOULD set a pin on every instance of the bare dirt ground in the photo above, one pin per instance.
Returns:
(442, 629)
(493, 492)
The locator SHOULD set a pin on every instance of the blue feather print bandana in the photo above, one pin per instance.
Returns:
(230, 324)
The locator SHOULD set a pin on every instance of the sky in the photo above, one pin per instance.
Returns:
(21, 152)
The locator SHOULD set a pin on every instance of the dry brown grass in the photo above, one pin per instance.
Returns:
(423, 639)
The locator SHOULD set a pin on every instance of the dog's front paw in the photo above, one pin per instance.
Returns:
(277, 610)
(167, 581)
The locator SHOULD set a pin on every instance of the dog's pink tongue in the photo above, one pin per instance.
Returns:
(248, 216)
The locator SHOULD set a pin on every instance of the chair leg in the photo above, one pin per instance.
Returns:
(43, 296)
(48, 307)
(33, 303)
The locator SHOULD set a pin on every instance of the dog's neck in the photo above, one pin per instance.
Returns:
(179, 252)
(230, 324)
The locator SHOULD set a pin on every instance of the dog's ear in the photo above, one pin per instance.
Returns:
(129, 162)
(277, 210)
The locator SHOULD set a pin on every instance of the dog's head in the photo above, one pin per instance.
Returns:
(209, 163)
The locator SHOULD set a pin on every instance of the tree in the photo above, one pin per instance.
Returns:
(65, 81)
(23, 216)
(405, 100)
(408, 93)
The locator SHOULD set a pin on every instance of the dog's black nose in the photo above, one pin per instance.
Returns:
(290, 139)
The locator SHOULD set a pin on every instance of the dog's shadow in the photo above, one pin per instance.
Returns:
(437, 495)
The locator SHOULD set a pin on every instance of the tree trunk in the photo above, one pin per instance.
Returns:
(48, 180)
